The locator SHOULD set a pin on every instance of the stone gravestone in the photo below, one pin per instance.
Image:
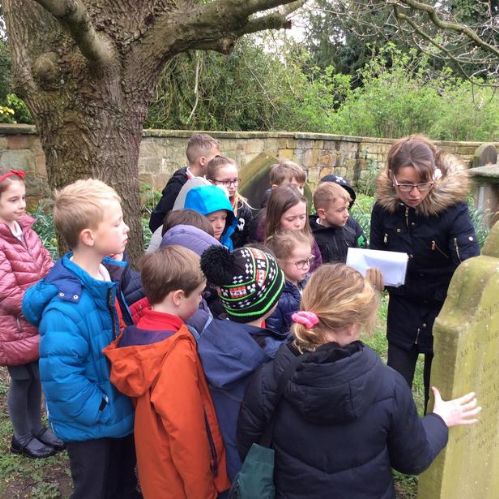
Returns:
(467, 359)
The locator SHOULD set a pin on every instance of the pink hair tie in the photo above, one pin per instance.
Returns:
(307, 319)
(18, 173)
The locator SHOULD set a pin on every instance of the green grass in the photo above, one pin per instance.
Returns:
(21, 477)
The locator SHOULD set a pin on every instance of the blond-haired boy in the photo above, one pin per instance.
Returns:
(74, 309)
(180, 452)
(332, 226)
(201, 148)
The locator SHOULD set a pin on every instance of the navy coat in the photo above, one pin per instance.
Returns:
(288, 304)
(345, 419)
(230, 353)
(437, 235)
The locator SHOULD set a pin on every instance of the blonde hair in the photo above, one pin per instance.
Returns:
(340, 297)
(329, 192)
(282, 243)
(79, 206)
(285, 171)
(200, 144)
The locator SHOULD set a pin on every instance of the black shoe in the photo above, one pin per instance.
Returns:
(34, 449)
(47, 437)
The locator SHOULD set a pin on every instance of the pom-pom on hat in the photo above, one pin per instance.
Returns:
(250, 281)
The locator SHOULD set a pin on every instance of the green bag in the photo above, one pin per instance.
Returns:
(255, 479)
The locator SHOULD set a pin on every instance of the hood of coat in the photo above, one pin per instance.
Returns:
(231, 351)
(450, 188)
(66, 280)
(137, 357)
(333, 385)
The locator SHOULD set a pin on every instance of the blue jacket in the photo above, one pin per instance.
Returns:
(343, 422)
(76, 317)
(289, 303)
(206, 199)
(230, 353)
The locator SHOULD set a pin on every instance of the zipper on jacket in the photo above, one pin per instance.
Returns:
(457, 249)
(407, 217)
(385, 239)
(417, 336)
(112, 311)
(435, 247)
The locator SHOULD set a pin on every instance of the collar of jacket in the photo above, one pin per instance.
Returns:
(69, 279)
(451, 188)
(24, 222)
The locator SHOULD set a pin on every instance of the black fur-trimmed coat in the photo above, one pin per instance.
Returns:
(437, 235)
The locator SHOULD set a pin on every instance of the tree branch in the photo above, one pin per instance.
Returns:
(73, 15)
(459, 28)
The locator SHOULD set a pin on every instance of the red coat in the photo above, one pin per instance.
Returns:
(21, 265)
(177, 458)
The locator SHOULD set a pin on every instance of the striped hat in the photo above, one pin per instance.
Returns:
(249, 280)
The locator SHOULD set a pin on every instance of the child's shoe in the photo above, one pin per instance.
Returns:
(33, 448)
(46, 436)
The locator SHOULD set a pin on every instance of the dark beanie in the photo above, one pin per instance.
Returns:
(250, 281)
(343, 182)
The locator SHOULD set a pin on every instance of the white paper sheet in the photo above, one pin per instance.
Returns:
(393, 265)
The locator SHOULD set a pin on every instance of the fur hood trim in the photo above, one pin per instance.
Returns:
(450, 188)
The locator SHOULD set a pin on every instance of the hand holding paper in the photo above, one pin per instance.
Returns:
(392, 264)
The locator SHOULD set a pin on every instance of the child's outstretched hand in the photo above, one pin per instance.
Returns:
(456, 411)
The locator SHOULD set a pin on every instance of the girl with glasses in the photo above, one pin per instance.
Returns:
(293, 251)
(223, 171)
(287, 210)
(420, 210)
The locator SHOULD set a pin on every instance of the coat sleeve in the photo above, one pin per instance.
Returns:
(11, 293)
(376, 233)
(254, 413)
(63, 350)
(463, 242)
(178, 401)
(360, 238)
(413, 443)
(165, 204)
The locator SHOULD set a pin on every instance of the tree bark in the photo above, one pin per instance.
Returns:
(87, 72)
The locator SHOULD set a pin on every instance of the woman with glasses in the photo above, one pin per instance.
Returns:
(293, 251)
(223, 172)
(420, 210)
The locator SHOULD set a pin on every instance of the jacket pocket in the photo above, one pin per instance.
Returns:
(436, 247)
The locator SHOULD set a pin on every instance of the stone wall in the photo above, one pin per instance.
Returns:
(162, 151)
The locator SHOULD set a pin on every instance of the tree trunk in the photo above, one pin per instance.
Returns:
(87, 71)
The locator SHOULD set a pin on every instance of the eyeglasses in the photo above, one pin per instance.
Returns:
(303, 264)
(424, 187)
(227, 182)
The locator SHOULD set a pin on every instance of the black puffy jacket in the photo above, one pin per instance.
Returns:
(168, 196)
(344, 421)
(334, 242)
(437, 235)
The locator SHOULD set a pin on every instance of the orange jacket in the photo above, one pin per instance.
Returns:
(177, 456)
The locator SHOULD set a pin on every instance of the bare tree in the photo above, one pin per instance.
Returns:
(462, 33)
(87, 70)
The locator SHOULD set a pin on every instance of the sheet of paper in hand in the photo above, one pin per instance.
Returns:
(393, 265)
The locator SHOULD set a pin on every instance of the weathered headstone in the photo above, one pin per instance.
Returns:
(467, 359)
(486, 154)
